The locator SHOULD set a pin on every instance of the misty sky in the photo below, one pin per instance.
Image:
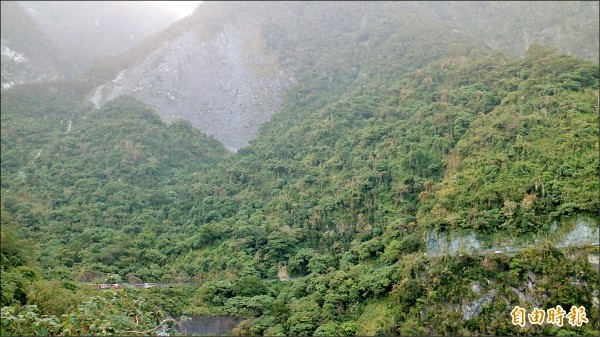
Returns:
(181, 8)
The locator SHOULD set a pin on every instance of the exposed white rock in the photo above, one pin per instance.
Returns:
(473, 309)
(97, 96)
(197, 79)
(7, 85)
(594, 260)
(13, 55)
(119, 77)
(440, 243)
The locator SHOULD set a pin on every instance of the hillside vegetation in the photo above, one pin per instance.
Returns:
(376, 146)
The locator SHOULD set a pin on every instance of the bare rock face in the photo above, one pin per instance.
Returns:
(226, 85)
(473, 309)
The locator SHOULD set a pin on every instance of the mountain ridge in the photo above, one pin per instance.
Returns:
(58, 39)
(399, 135)
(235, 121)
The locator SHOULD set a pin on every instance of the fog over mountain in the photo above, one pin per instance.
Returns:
(300, 169)
(228, 66)
(55, 39)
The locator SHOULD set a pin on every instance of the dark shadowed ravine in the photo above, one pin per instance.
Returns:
(208, 325)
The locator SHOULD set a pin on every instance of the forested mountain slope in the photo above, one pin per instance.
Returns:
(93, 171)
(345, 193)
(376, 147)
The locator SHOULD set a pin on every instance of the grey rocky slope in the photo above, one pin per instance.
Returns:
(227, 85)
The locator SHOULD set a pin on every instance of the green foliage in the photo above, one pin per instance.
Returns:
(376, 320)
(27, 322)
(122, 313)
(102, 185)
(249, 286)
(14, 250)
(374, 146)
(328, 329)
(514, 170)
(376, 282)
(13, 288)
(52, 298)
(304, 317)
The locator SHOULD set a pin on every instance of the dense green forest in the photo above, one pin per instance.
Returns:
(343, 196)
(374, 149)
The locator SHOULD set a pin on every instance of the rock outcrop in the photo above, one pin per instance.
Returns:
(440, 244)
(226, 85)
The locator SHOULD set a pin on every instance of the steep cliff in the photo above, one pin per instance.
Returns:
(227, 85)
